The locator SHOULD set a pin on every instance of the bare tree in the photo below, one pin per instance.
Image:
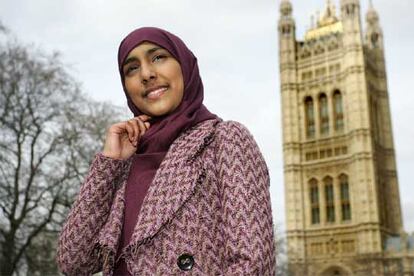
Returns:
(49, 131)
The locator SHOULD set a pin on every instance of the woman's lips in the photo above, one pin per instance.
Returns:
(157, 93)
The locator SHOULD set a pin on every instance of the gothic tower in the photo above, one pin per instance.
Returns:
(341, 189)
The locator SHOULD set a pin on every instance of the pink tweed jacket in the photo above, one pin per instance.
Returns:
(207, 211)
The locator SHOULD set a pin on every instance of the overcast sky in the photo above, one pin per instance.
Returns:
(237, 48)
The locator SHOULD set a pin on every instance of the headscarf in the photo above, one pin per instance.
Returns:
(154, 144)
(191, 111)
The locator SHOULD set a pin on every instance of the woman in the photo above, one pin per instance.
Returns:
(176, 189)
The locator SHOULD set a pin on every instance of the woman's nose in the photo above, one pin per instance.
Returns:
(147, 72)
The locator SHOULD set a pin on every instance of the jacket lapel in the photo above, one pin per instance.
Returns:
(174, 182)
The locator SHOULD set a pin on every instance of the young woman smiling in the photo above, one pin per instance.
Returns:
(176, 190)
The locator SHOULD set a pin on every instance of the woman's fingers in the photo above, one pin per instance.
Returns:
(144, 117)
(136, 127)
(142, 127)
(121, 136)
(131, 130)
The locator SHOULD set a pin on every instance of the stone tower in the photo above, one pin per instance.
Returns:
(341, 187)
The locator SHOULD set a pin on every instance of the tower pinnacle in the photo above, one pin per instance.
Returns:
(286, 8)
(373, 35)
(329, 14)
(372, 17)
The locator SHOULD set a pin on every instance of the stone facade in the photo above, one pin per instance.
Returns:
(341, 186)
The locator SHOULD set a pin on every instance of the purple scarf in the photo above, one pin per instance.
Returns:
(153, 146)
(191, 111)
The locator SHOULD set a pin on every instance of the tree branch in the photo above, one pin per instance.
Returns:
(16, 179)
(34, 233)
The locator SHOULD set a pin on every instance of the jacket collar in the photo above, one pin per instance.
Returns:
(174, 183)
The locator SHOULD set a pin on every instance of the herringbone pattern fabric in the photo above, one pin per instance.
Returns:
(78, 242)
(210, 199)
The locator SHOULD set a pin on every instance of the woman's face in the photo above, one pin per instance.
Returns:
(153, 79)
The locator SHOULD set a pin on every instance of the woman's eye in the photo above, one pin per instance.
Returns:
(158, 58)
(130, 69)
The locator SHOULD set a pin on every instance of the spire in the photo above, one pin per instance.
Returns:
(285, 8)
(372, 17)
(286, 21)
(330, 8)
(329, 15)
(349, 7)
(373, 35)
(350, 12)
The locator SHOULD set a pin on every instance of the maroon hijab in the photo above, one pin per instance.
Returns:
(191, 111)
(155, 143)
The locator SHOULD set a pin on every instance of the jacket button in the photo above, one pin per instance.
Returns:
(185, 262)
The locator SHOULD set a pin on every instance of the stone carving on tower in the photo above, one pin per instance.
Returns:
(343, 213)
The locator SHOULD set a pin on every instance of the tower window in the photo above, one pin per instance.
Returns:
(320, 72)
(314, 200)
(324, 114)
(306, 54)
(319, 50)
(307, 75)
(350, 9)
(345, 202)
(338, 112)
(329, 199)
(333, 46)
(286, 30)
(310, 118)
(374, 39)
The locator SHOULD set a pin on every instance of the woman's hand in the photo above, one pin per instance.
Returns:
(122, 139)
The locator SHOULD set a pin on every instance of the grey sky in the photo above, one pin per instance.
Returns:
(237, 48)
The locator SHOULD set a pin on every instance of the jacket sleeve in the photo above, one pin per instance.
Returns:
(77, 246)
(247, 216)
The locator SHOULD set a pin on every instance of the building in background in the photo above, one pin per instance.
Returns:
(342, 199)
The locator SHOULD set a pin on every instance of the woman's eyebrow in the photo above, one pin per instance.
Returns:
(148, 52)
(152, 50)
(129, 60)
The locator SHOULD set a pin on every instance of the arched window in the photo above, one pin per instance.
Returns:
(310, 118)
(306, 54)
(286, 30)
(338, 111)
(314, 201)
(374, 40)
(329, 199)
(350, 9)
(333, 46)
(324, 114)
(319, 50)
(345, 203)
